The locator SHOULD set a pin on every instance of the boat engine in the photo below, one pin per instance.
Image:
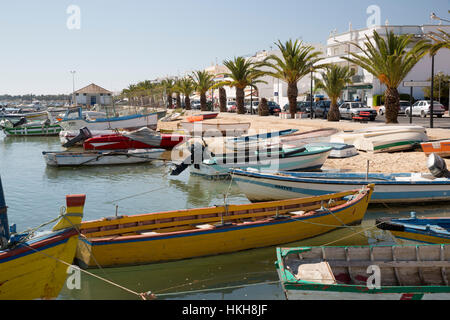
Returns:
(197, 155)
(437, 166)
(83, 135)
(22, 121)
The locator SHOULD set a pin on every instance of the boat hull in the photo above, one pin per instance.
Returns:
(441, 148)
(344, 273)
(133, 122)
(229, 129)
(300, 162)
(117, 141)
(34, 273)
(51, 130)
(59, 159)
(384, 139)
(112, 251)
(268, 187)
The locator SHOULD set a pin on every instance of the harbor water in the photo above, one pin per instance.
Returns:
(36, 193)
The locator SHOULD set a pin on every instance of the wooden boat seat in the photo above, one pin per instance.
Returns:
(316, 272)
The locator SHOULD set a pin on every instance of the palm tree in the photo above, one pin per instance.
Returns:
(186, 87)
(297, 61)
(168, 85)
(334, 80)
(442, 40)
(243, 73)
(390, 61)
(203, 81)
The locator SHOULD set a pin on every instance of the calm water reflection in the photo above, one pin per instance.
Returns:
(35, 193)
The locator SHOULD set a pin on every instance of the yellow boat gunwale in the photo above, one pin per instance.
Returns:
(124, 248)
(125, 224)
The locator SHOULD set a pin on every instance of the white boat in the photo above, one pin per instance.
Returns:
(338, 150)
(92, 158)
(74, 120)
(306, 158)
(385, 138)
(215, 127)
(389, 187)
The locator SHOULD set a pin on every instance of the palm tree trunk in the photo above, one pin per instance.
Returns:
(203, 101)
(391, 103)
(187, 102)
(169, 101)
(292, 97)
(240, 94)
(223, 99)
(333, 113)
(178, 100)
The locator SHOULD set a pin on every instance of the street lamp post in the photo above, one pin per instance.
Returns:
(431, 93)
(73, 88)
(311, 94)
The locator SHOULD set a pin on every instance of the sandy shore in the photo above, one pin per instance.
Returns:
(378, 162)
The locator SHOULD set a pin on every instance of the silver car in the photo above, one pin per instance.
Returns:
(423, 107)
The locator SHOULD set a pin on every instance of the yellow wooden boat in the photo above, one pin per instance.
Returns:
(174, 235)
(36, 267)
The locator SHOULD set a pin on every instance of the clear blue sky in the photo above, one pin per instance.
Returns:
(123, 42)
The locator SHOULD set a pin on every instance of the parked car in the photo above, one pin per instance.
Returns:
(350, 109)
(195, 105)
(321, 108)
(255, 105)
(274, 108)
(231, 106)
(302, 106)
(423, 107)
(401, 110)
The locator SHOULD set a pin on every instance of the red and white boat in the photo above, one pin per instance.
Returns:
(140, 139)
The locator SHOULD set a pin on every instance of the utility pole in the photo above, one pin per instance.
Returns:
(74, 102)
(431, 94)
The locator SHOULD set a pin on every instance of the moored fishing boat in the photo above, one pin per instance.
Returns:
(189, 233)
(143, 138)
(417, 230)
(347, 273)
(74, 120)
(306, 158)
(33, 266)
(441, 148)
(389, 187)
(26, 127)
(93, 158)
(383, 138)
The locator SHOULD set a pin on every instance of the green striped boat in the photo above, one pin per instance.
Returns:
(33, 130)
(409, 272)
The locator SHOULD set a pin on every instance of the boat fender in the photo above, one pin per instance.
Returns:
(437, 166)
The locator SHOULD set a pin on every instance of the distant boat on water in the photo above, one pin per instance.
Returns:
(74, 120)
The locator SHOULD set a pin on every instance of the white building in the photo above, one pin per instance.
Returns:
(92, 95)
(364, 85)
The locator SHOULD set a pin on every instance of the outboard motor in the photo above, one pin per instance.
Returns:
(83, 135)
(437, 166)
(22, 121)
(197, 151)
